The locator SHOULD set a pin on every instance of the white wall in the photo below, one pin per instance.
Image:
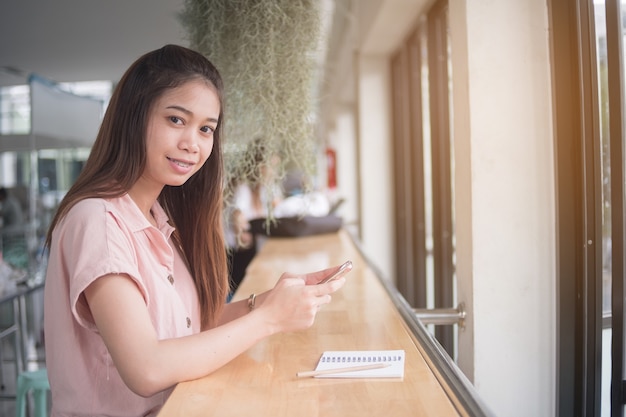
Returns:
(343, 140)
(504, 118)
(374, 121)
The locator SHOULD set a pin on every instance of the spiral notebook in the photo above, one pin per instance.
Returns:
(341, 359)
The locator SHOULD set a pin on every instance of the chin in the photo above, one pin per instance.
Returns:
(177, 182)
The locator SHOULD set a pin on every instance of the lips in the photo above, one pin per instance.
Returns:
(180, 162)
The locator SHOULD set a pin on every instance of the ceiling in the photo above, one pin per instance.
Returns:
(82, 40)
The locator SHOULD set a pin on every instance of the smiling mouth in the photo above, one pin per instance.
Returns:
(180, 163)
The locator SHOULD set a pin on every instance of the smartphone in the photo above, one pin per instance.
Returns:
(345, 267)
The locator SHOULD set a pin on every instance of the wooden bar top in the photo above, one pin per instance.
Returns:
(262, 381)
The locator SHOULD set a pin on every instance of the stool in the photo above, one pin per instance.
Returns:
(37, 381)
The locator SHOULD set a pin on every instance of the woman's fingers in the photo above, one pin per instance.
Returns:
(329, 274)
(296, 299)
(294, 305)
(313, 278)
(325, 299)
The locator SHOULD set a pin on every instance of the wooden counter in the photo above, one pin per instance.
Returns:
(362, 316)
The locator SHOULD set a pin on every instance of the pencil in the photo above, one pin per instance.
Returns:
(304, 374)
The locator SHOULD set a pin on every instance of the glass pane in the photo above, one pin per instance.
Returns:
(601, 52)
(15, 110)
(600, 26)
(603, 88)
(622, 9)
(34, 180)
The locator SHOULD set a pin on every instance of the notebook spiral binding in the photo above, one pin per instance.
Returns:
(360, 359)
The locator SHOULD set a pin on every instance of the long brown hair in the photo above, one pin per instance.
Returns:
(118, 158)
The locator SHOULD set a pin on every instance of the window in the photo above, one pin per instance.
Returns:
(423, 161)
(587, 53)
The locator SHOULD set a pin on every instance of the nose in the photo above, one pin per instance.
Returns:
(189, 142)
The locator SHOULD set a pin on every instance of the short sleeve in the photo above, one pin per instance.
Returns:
(91, 244)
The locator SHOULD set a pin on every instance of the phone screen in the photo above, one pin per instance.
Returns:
(345, 267)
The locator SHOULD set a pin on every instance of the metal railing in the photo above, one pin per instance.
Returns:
(442, 316)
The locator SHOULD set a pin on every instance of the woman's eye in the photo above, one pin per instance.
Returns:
(175, 120)
(207, 129)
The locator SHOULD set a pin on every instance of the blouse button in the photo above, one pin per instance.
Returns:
(188, 322)
(170, 278)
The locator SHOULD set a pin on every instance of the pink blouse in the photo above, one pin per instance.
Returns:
(99, 237)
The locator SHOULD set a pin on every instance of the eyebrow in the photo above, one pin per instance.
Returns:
(186, 111)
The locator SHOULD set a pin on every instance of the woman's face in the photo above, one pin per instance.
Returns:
(180, 131)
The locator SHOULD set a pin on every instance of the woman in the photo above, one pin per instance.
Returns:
(137, 274)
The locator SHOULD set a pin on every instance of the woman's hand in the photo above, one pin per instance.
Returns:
(295, 300)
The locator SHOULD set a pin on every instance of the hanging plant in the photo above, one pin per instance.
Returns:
(265, 51)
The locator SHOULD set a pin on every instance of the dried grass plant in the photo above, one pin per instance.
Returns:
(265, 51)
